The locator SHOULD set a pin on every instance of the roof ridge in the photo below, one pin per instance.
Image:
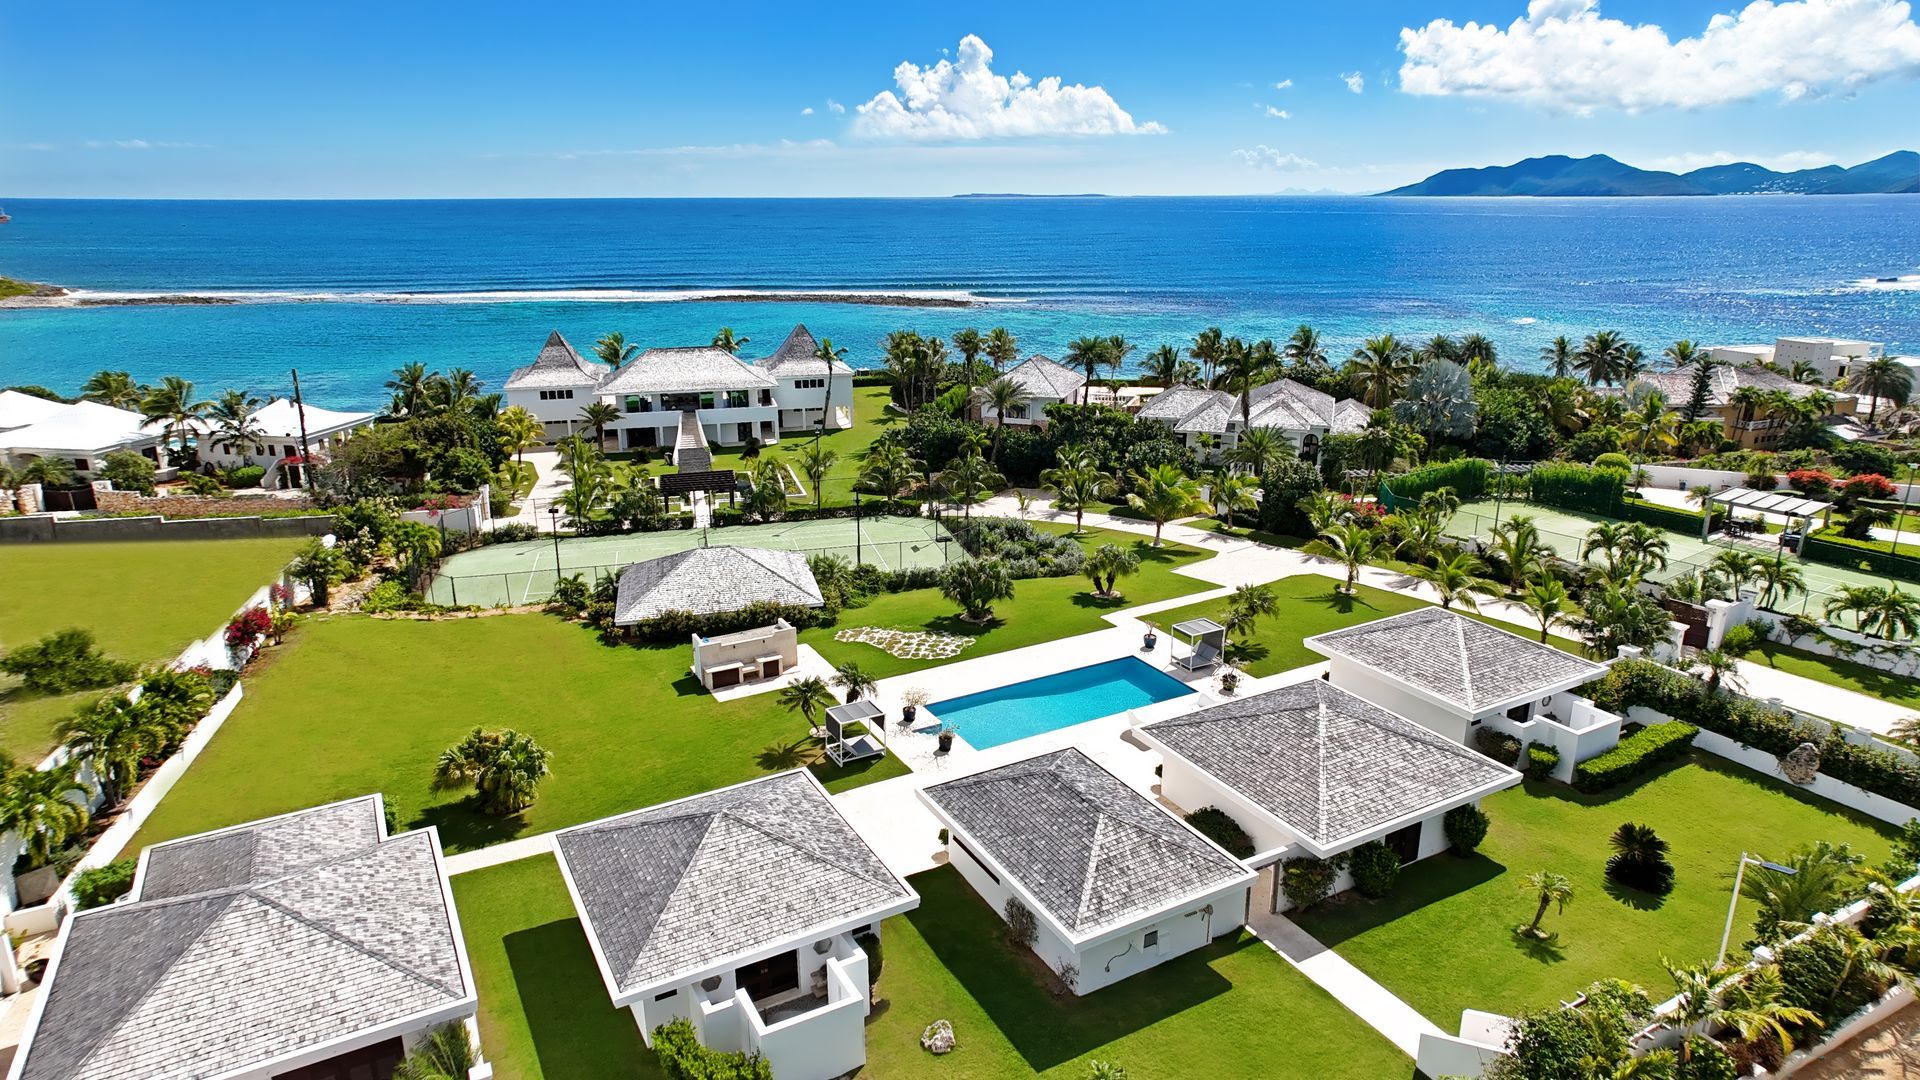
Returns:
(1091, 870)
(110, 1030)
(1466, 658)
(350, 943)
(859, 872)
(1320, 759)
(776, 571)
(667, 896)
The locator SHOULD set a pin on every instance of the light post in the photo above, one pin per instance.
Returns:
(553, 515)
(856, 530)
(1739, 874)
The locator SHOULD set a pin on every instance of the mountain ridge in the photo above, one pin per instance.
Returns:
(1558, 175)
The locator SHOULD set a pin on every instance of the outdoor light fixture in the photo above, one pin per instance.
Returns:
(1738, 874)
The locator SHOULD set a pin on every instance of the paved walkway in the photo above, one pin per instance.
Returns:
(1350, 986)
(549, 483)
(1812, 696)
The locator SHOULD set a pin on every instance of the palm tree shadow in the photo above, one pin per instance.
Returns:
(465, 827)
(1247, 652)
(778, 757)
(1339, 601)
(1547, 950)
(1637, 899)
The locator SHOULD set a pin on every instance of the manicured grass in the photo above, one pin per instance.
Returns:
(1042, 609)
(1309, 604)
(870, 420)
(354, 704)
(544, 1010)
(1444, 941)
(1233, 1009)
(1834, 671)
(144, 601)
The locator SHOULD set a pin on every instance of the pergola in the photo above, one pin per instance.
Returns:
(1206, 641)
(1793, 507)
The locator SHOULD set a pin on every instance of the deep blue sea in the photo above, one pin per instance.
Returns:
(346, 291)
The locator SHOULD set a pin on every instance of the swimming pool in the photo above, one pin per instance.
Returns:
(993, 717)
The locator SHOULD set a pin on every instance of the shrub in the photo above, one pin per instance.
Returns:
(65, 660)
(1286, 485)
(389, 595)
(1022, 927)
(202, 484)
(869, 943)
(463, 470)
(1864, 458)
(1541, 760)
(569, 595)
(103, 884)
(1307, 880)
(1637, 755)
(682, 1057)
(1577, 487)
(1215, 825)
(1810, 481)
(1466, 826)
(129, 471)
(246, 476)
(248, 626)
(1027, 550)
(1739, 640)
(676, 626)
(1639, 860)
(1375, 868)
(1821, 976)
(1709, 1061)
(1468, 477)
(1613, 461)
(1764, 480)
(1552, 1043)
(1866, 486)
(1497, 745)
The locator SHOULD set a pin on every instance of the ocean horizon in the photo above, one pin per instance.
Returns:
(346, 290)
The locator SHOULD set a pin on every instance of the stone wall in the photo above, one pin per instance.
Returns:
(47, 529)
(191, 506)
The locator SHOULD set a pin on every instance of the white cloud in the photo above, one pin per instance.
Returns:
(1283, 84)
(808, 111)
(1786, 161)
(835, 107)
(139, 144)
(964, 99)
(1266, 157)
(1355, 81)
(1565, 56)
(1278, 114)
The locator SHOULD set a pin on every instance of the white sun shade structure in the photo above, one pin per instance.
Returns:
(1206, 641)
(1764, 502)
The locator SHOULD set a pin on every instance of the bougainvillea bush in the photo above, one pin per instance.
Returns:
(248, 627)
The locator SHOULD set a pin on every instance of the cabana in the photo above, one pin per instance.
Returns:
(842, 747)
(1796, 508)
(1206, 640)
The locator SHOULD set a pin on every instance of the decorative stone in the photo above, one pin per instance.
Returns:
(938, 1038)
(1802, 764)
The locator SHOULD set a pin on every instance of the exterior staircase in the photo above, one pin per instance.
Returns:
(690, 452)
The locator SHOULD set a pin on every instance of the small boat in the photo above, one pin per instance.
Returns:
(4, 216)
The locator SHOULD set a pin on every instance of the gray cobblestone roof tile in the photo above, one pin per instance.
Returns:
(557, 365)
(1461, 660)
(708, 580)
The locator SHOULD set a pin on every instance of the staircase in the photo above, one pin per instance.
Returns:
(690, 451)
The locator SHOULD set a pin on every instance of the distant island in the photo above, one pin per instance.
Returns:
(1028, 195)
(1559, 175)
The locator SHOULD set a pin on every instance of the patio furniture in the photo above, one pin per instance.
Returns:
(1205, 639)
(841, 746)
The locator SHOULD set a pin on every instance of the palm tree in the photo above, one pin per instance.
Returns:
(1722, 668)
(1458, 579)
(1261, 450)
(1882, 379)
(445, 1054)
(976, 585)
(1883, 613)
(115, 388)
(805, 696)
(1738, 567)
(1559, 357)
(1089, 354)
(172, 405)
(1163, 365)
(1748, 1001)
(1004, 395)
(233, 423)
(1604, 357)
(1243, 367)
(1106, 565)
(768, 497)
(599, 414)
(50, 472)
(969, 478)
(969, 342)
(115, 733)
(1349, 543)
(854, 681)
(1780, 579)
(44, 807)
(1247, 606)
(1823, 876)
(1164, 493)
(825, 352)
(518, 430)
(1380, 368)
(1076, 481)
(1208, 347)
(1478, 350)
(888, 470)
(1562, 403)
(1682, 354)
(816, 462)
(1546, 598)
(1231, 491)
(614, 351)
(1303, 351)
(504, 768)
(409, 386)
(729, 342)
(1001, 347)
(1652, 425)
(1552, 889)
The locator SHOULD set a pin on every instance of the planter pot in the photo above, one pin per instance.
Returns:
(946, 743)
(1149, 642)
(37, 886)
(907, 714)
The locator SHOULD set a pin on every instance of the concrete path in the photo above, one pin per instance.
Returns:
(1812, 696)
(548, 484)
(1350, 986)
(525, 847)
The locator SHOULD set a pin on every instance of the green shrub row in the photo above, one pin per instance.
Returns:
(1572, 486)
(1828, 546)
(1541, 760)
(103, 884)
(1637, 755)
(1751, 723)
(1666, 517)
(1468, 477)
(678, 626)
(682, 1057)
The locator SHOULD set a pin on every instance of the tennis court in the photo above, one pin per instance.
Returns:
(525, 572)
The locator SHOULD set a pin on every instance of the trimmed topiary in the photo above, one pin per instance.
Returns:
(1375, 868)
(1466, 826)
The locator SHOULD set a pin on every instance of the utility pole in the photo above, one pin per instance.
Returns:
(300, 410)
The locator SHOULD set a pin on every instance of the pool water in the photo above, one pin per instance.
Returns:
(1001, 715)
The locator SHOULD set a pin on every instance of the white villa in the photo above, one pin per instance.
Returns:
(688, 398)
(1301, 413)
(1831, 357)
(1044, 383)
(310, 946)
(740, 911)
(1310, 769)
(1452, 674)
(277, 447)
(82, 433)
(708, 581)
(1115, 882)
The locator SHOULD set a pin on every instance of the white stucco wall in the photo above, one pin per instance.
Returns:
(1395, 698)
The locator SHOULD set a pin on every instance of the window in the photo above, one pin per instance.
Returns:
(809, 384)
(957, 842)
(736, 399)
(81, 464)
(1151, 940)
(556, 395)
(288, 450)
(665, 996)
(706, 401)
(633, 402)
(1017, 412)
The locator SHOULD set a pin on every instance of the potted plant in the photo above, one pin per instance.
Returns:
(1229, 682)
(914, 698)
(1148, 640)
(946, 738)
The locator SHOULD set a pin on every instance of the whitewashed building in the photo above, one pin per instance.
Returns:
(278, 439)
(555, 387)
(81, 434)
(806, 387)
(1312, 770)
(1304, 415)
(1115, 882)
(740, 911)
(1043, 382)
(307, 946)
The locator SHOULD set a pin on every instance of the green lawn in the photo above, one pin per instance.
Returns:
(144, 601)
(1042, 609)
(1834, 671)
(1444, 940)
(1308, 604)
(870, 420)
(1235, 1006)
(354, 704)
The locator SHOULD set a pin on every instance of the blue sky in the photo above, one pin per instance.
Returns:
(417, 100)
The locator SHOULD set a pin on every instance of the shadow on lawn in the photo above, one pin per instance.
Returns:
(1335, 600)
(966, 937)
(576, 1031)
(463, 827)
(1428, 881)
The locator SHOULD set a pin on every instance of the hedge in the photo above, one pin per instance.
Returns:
(1751, 723)
(1828, 546)
(1571, 486)
(1666, 517)
(679, 626)
(683, 1057)
(103, 884)
(1637, 755)
(1214, 823)
(1468, 477)
(1542, 760)
(874, 506)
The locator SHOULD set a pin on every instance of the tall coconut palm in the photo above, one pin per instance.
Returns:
(1001, 347)
(1682, 354)
(1882, 379)
(729, 342)
(1163, 365)
(1779, 580)
(1558, 357)
(1652, 426)
(173, 405)
(807, 697)
(1380, 368)
(1737, 567)
(1208, 347)
(518, 431)
(1604, 357)
(1076, 482)
(1478, 351)
(44, 807)
(888, 470)
(969, 341)
(1439, 347)
(1232, 491)
(1089, 354)
(599, 414)
(409, 388)
(1458, 579)
(816, 461)
(1546, 598)
(969, 478)
(1303, 351)
(1883, 613)
(614, 351)
(1349, 543)
(115, 388)
(233, 424)
(1164, 493)
(825, 352)
(1750, 1001)
(1005, 396)
(1243, 368)
(504, 769)
(1551, 889)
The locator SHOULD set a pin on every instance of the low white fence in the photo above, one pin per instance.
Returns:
(1686, 477)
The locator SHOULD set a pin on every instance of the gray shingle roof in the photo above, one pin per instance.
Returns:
(676, 889)
(686, 370)
(1458, 659)
(1350, 416)
(1040, 377)
(708, 580)
(206, 983)
(1328, 764)
(260, 851)
(1677, 386)
(1091, 850)
(1282, 404)
(795, 357)
(557, 365)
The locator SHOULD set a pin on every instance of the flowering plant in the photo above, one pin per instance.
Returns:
(246, 627)
(1811, 481)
